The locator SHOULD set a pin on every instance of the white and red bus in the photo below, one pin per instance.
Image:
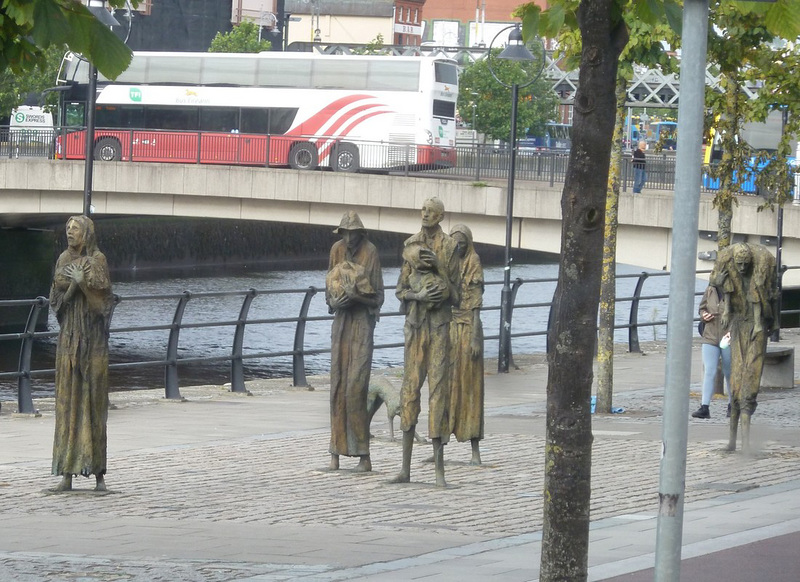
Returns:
(301, 110)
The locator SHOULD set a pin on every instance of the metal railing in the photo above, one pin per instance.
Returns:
(476, 162)
(237, 356)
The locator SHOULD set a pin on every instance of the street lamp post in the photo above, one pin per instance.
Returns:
(98, 9)
(515, 50)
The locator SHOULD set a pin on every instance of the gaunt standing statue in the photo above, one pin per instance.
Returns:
(354, 293)
(466, 345)
(427, 288)
(747, 276)
(81, 299)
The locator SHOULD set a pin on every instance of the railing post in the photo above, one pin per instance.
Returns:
(298, 357)
(552, 168)
(514, 288)
(24, 399)
(633, 320)
(266, 161)
(199, 145)
(172, 391)
(477, 159)
(408, 160)
(237, 368)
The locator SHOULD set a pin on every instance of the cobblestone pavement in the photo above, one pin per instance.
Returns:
(267, 477)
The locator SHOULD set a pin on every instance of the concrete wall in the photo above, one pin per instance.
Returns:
(31, 188)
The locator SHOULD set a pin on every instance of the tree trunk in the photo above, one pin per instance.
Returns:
(568, 452)
(608, 281)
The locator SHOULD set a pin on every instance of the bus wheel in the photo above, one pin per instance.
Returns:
(107, 149)
(303, 156)
(345, 158)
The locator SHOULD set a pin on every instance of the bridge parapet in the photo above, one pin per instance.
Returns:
(37, 191)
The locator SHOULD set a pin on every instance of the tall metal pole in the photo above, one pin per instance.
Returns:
(681, 292)
(776, 332)
(504, 352)
(89, 167)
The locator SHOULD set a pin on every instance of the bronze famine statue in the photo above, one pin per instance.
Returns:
(427, 288)
(746, 274)
(81, 299)
(466, 346)
(354, 293)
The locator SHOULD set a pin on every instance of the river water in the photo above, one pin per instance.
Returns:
(136, 310)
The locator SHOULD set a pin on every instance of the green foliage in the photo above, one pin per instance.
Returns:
(741, 46)
(373, 47)
(14, 88)
(242, 39)
(29, 27)
(537, 102)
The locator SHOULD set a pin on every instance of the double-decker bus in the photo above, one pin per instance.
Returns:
(301, 110)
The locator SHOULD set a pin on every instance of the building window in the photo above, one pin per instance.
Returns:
(416, 15)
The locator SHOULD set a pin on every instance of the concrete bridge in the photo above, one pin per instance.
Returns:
(35, 192)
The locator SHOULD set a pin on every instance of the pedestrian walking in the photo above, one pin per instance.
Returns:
(639, 167)
(715, 347)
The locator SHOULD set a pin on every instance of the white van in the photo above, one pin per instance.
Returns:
(31, 124)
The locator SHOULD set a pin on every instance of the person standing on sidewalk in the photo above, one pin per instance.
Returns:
(354, 293)
(639, 167)
(715, 340)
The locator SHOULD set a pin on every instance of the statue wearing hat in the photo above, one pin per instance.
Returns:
(354, 294)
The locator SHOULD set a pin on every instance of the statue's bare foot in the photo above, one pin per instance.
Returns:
(364, 465)
(101, 484)
(476, 460)
(730, 448)
(64, 485)
(440, 482)
(334, 462)
(402, 477)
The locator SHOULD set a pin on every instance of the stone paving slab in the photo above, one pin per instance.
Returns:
(235, 487)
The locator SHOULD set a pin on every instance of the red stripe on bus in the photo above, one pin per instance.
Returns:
(325, 150)
(312, 125)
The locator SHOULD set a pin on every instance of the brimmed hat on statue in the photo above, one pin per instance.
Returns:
(350, 221)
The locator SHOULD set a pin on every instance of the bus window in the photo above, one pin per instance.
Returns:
(445, 73)
(184, 118)
(289, 73)
(339, 75)
(219, 119)
(254, 121)
(228, 72)
(400, 76)
(74, 114)
(124, 116)
(281, 119)
(444, 109)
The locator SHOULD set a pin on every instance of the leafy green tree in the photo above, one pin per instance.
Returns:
(571, 337)
(645, 47)
(742, 49)
(29, 27)
(538, 104)
(14, 88)
(242, 39)
(603, 36)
